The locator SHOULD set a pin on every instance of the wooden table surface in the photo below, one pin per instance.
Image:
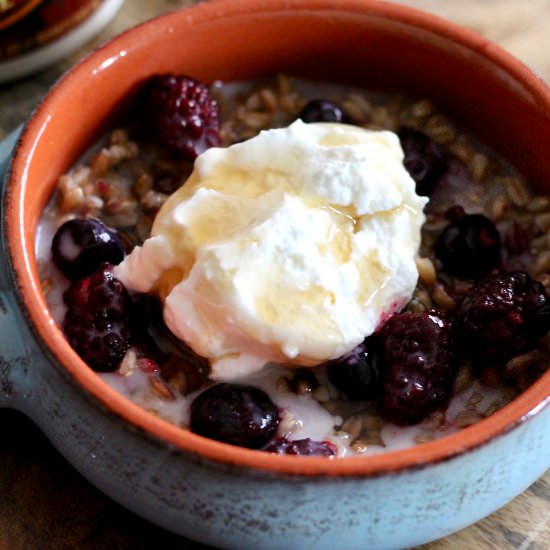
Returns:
(46, 504)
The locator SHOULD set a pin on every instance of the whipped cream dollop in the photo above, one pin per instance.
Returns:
(290, 247)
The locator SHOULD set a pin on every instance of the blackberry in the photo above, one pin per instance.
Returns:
(98, 320)
(101, 343)
(418, 358)
(81, 245)
(425, 160)
(236, 414)
(469, 246)
(101, 296)
(321, 110)
(502, 316)
(301, 447)
(181, 114)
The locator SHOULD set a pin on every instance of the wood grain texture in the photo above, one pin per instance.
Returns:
(46, 504)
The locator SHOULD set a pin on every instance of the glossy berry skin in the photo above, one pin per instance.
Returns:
(236, 414)
(182, 115)
(81, 245)
(425, 160)
(469, 246)
(98, 320)
(502, 316)
(417, 355)
(301, 447)
(101, 343)
(321, 110)
(355, 373)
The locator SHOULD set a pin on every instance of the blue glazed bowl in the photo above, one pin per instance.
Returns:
(212, 492)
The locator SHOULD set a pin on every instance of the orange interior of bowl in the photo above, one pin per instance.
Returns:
(378, 45)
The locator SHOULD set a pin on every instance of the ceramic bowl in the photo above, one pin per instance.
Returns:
(228, 496)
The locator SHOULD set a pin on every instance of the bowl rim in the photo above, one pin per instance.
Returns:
(53, 343)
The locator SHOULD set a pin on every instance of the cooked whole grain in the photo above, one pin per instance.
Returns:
(97, 188)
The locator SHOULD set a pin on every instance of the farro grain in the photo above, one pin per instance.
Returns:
(142, 184)
(474, 400)
(464, 378)
(462, 150)
(541, 264)
(118, 136)
(101, 163)
(46, 286)
(442, 298)
(72, 199)
(152, 200)
(268, 100)
(360, 446)
(288, 425)
(426, 271)
(128, 364)
(422, 108)
(321, 394)
(161, 389)
(543, 221)
(522, 362)
(516, 191)
(353, 426)
(499, 206)
(538, 204)
(467, 418)
(478, 166)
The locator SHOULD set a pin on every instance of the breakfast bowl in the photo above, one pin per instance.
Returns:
(213, 492)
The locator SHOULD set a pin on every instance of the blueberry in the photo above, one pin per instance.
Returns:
(81, 245)
(236, 414)
(355, 373)
(425, 160)
(321, 110)
(469, 246)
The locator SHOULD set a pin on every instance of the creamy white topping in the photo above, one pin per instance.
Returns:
(290, 247)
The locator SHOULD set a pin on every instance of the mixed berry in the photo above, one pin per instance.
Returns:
(356, 374)
(322, 110)
(418, 357)
(503, 316)
(406, 372)
(425, 160)
(80, 246)
(469, 246)
(99, 319)
(236, 414)
(181, 114)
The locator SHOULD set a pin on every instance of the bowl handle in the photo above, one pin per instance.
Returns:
(15, 340)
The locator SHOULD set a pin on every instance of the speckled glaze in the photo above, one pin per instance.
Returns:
(208, 491)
